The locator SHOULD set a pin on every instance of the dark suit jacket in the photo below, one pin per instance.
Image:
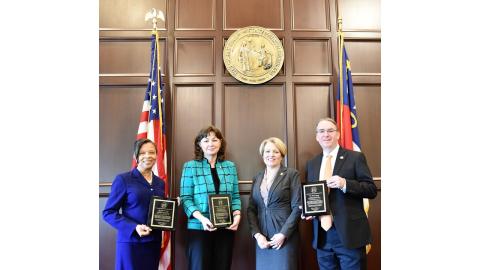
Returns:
(282, 213)
(131, 193)
(349, 217)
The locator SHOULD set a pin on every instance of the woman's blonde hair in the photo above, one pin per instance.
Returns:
(277, 142)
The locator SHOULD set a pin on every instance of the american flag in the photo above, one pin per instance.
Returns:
(346, 109)
(152, 126)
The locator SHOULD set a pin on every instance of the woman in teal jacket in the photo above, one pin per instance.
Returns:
(209, 173)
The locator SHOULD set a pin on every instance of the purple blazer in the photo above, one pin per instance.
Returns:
(131, 193)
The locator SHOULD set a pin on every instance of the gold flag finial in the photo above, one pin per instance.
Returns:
(153, 15)
(339, 25)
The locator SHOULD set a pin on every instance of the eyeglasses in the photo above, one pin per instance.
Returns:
(329, 131)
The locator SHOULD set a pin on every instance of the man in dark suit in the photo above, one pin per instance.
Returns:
(340, 238)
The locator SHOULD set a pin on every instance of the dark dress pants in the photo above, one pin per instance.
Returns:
(333, 255)
(210, 250)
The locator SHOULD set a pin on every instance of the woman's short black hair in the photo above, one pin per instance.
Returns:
(138, 145)
(203, 134)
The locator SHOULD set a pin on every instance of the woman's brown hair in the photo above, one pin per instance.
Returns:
(203, 134)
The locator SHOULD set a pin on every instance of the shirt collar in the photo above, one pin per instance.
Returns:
(333, 153)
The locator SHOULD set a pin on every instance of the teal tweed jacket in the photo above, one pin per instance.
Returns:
(197, 183)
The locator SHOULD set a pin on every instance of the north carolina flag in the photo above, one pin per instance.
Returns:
(346, 109)
(152, 126)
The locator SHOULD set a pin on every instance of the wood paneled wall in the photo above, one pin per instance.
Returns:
(199, 91)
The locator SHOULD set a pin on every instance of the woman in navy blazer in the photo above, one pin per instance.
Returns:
(138, 247)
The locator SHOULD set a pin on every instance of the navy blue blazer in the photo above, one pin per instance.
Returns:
(132, 193)
(349, 217)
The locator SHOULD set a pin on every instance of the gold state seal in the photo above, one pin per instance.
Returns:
(253, 55)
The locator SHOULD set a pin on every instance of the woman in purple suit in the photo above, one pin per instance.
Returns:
(138, 246)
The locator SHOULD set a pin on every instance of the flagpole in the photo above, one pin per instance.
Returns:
(340, 71)
(154, 15)
(366, 204)
(159, 88)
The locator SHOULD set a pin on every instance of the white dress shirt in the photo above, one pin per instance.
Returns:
(333, 153)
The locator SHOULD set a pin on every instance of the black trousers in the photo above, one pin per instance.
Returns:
(210, 250)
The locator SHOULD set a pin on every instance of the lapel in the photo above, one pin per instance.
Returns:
(220, 172)
(316, 167)
(139, 177)
(221, 176)
(341, 157)
(278, 178)
(258, 181)
(207, 172)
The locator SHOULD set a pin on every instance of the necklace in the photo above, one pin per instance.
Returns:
(269, 177)
(149, 178)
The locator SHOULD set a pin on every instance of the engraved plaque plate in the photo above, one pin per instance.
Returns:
(220, 210)
(315, 199)
(162, 214)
